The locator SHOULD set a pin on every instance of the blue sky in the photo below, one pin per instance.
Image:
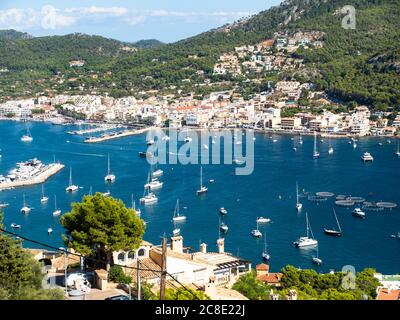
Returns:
(129, 20)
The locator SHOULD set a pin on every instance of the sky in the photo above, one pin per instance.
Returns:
(129, 20)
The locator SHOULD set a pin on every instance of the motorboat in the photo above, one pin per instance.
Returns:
(15, 226)
(223, 211)
(263, 220)
(223, 227)
(367, 157)
(358, 213)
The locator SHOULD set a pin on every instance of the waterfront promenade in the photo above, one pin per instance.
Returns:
(117, 135)
(50, 170)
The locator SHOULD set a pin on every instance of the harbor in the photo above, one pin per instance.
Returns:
(116, 135)
(29, 173)
(270, 192)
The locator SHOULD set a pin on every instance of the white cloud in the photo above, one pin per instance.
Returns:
(111, 11)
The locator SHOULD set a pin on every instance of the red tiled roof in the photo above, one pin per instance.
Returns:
(386, 294)
(262, 267)
(270, 278)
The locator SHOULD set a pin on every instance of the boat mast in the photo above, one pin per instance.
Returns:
(70, 176)
(108, 164)
(42, 190)
(201, 177)
(55, 202)
(337, 221)
(307, 223)
(315, 142)
(297, 193)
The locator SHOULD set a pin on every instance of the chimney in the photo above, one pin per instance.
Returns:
(221, 245)
(203, 248)
(177, 244)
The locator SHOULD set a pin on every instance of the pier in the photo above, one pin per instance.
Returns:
(41, 177)
(116, 135)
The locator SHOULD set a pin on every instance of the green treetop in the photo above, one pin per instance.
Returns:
(102, 225)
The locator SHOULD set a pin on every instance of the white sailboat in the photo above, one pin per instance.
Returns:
(25, 209)
(202, 189)
(109, 177)
(256, 233)
(330, 150)
(317, 260)
(148, 197)
(157, 172)
(306, 241)
(71, 187)
(265, 255)
(137, 210)
(27, 137)
(299, 205)
(43, 198)
(316, 154)
(56, 211)
(177, 217)
(152, 183)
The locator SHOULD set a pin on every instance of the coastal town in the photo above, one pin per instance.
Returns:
(285, 106)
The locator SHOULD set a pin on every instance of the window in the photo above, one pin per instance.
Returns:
(131, 255)
(142, 252)
(121, 257)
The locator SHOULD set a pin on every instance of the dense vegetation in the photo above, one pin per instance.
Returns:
(149, 43)
(360, 65)
(20, 275)
(310, 285)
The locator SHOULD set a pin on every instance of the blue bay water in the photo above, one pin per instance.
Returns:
(268, 192)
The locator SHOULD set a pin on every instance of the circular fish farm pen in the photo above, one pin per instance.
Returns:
(341, 197)
(344, 203)
(317, 198)
(356, 199)
(386, 205)
(325, 194)
(371, 206)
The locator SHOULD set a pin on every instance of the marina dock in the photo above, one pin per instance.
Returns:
(116, 135)
(47, 172)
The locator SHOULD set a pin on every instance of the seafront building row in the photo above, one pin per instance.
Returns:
(265, 111)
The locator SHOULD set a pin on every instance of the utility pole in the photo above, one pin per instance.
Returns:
(138, 278)
(163, 268)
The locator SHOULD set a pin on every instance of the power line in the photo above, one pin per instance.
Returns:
(162, 272)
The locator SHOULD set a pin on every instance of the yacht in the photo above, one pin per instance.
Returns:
(138, 211)
(25, 209)
(176, 232)
(317, 260)
(367, 157)
(332, 232)
(154, 184)
(299, 205)
(149, 197)
(256, 233)
(358, 213)
(265, 254)
(177, 217)
(71, 187)
(223, 227)
(43, 198)
(203, 189)
(15, 226)
(223, 211)
(27, 137)
(263, 220)
(330, 150)
(49, 230)
(306, 241)
(56, 211)
(316, 154)
(157, 173)
(109, 177)
(238, 162)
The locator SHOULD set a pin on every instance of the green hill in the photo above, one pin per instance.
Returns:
(148, 43)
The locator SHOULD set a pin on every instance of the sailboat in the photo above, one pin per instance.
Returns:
(398, 149)
(71, 187)
(138, 211)
(157, 172)
(56, 211)
(202, 189)
(316, 154)
(25, 209)
(299, 205)
(43, 199)
(331, 232)
(109, 177)
(177, 217)
(306, 241)
(148, 197)
(265, 254)
(300, 140)
(152, 183)
(330, 150)
(256, 233)
(27, 137)
(317, 260)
